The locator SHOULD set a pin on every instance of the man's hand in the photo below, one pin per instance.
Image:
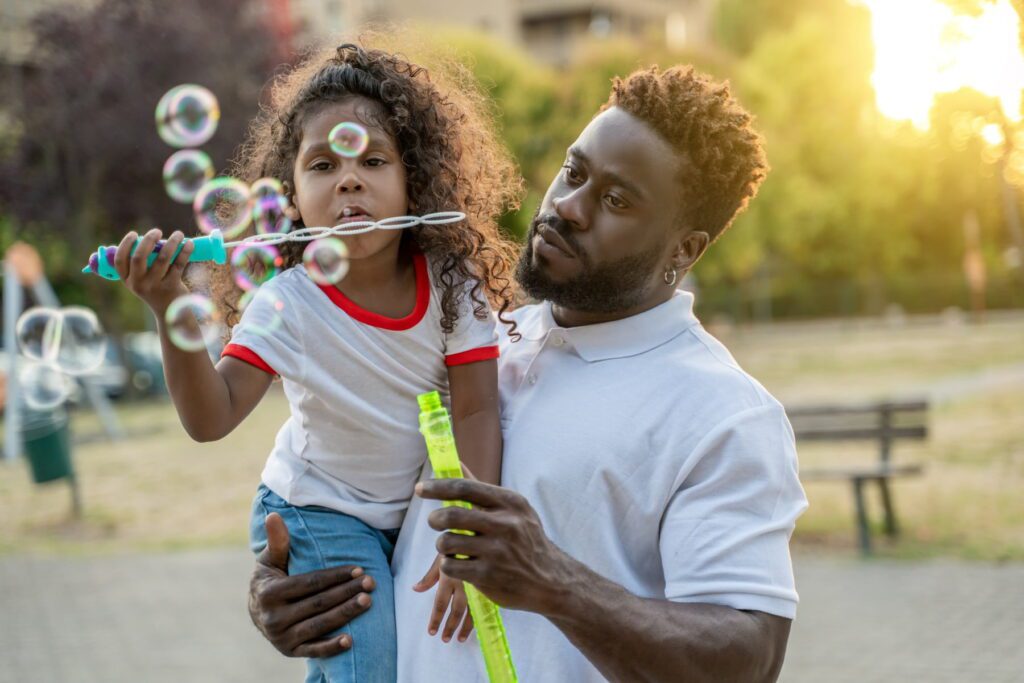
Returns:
(295, 613)
(511, 560)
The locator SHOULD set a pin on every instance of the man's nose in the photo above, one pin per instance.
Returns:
(571, 208)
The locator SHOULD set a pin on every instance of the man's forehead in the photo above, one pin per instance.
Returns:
(621, 143)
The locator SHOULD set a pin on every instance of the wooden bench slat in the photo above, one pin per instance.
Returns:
(894, 407)
(859, 434)
(867, 472)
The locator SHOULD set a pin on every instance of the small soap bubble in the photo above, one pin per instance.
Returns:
(187, 116)
(185, 172)
(254, 264)
(326, 260)
(268, 207)
(38, 331)
(193, 322)
(348, 139)
(223, 204)
(83, 344)
(267, 318)
(43, 385)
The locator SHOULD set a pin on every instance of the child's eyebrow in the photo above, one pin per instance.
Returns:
(378, 143)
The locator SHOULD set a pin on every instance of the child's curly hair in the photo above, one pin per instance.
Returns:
(453, 160)
(724, 156)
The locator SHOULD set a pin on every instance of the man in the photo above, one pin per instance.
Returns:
(649, 485)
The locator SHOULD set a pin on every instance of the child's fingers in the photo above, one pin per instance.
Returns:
(467, 627)
(178, 267)
(158, 269)
(123, 253)
(137, 264)
(430, 578)
(455, 614)
(441, 599)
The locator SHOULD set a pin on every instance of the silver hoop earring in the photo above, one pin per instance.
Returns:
(669, 280)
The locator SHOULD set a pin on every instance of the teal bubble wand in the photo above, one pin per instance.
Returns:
(207, 248)
(436, 428)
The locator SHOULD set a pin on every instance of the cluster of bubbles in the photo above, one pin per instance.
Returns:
(59, 344)
(187, 117)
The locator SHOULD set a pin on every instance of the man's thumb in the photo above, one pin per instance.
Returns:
(277, 542)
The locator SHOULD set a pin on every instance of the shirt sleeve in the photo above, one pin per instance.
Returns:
(267, 336)
(725, 533)
(472, 339)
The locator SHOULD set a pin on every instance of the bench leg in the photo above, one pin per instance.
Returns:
(863, 531)
(891, 529)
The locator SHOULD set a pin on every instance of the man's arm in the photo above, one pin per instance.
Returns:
(626, 637)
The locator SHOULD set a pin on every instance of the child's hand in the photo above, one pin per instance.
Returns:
(160, 283)
(448, 591)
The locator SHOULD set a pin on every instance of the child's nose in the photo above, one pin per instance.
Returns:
(350, 182)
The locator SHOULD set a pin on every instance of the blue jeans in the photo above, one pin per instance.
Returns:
(322, 538)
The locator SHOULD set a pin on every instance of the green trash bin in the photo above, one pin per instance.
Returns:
(47, 442)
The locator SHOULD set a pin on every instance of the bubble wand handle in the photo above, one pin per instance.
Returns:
(436, 428)
(207, 248)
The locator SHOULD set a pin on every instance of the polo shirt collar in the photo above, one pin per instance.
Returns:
(629, 336)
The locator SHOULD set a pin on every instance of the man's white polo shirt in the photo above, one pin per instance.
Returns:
(650, 457)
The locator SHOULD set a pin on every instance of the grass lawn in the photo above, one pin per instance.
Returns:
(157, 490)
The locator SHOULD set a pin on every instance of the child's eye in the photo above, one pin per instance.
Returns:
(375, 161)
(321, 166)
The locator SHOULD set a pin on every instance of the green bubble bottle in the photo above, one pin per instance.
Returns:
(436, 428)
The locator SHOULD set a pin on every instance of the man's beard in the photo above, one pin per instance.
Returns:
(606, 288)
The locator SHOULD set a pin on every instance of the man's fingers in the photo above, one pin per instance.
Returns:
(479, 521)
(317, 627)
(123, 253)
(278, 542)
(327, 647)
(311, 584)
(331, 598)
(475, 492)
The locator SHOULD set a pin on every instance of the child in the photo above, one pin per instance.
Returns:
(411, 315)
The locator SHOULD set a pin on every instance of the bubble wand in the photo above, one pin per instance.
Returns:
(436, 428)
(213, 248)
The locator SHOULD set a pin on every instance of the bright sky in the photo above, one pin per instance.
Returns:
(922, 48)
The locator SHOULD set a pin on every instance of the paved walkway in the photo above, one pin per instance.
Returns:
(181, 617)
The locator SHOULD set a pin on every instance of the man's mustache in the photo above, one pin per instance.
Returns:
(555, 222)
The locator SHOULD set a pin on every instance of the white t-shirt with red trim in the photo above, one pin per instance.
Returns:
(351, 378)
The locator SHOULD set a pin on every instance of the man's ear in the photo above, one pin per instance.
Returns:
(690, 248)
(292, 210)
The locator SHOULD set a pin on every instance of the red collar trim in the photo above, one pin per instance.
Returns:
(377, 320)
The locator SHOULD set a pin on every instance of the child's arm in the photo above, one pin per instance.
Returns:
(211, 401)
(476, 418)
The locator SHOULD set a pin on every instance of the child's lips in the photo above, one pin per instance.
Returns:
(352, 218)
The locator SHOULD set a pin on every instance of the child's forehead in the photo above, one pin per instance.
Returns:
(318, 123)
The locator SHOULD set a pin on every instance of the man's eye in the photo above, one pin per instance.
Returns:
(571, 173)
(615, 201)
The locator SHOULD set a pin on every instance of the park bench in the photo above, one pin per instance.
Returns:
(881, 422)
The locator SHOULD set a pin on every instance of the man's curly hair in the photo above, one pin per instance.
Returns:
(452, 156)
(723, 156)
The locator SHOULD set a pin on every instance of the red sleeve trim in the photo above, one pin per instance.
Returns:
(472, 356)
(249, 356)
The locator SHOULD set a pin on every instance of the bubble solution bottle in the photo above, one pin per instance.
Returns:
(436, 428)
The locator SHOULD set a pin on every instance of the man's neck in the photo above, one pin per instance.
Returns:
(567, 317)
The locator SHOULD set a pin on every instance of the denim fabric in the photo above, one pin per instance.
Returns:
(322, 538)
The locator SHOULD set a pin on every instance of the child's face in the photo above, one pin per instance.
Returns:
(330, 187)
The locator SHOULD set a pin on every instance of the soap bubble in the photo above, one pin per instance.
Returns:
(268, 207)
(187, 116)
(326, 260)
(38, 332)
(83, 344)
(254, 264)
(223, 204)
(267, 319)
(193, 322)
(348, 139)
(44, 386)
(185, 172)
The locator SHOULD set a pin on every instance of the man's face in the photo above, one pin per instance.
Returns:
(605, 231)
